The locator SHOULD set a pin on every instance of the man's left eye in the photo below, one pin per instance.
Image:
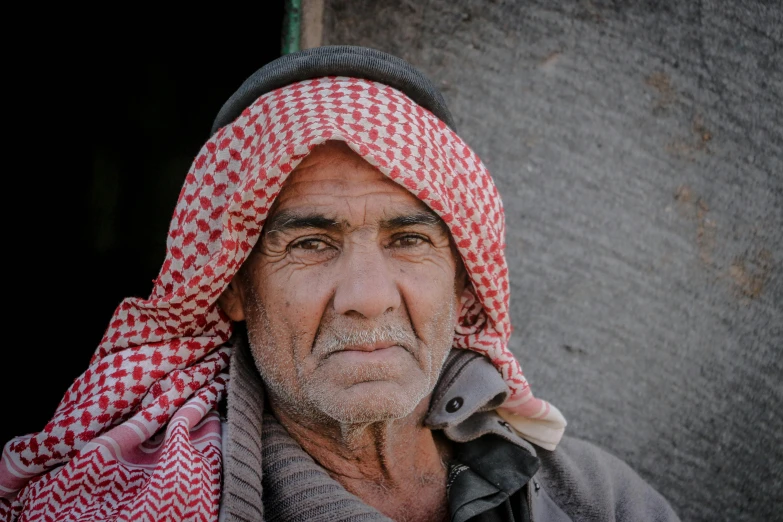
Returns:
(408, 241)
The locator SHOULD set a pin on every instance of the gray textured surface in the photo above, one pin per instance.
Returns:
(639, 152)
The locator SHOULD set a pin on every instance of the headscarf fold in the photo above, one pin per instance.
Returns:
(137, 437)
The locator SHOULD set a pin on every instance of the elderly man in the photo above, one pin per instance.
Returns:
(327, 338)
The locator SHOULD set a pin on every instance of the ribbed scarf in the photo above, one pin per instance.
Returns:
(136, 436)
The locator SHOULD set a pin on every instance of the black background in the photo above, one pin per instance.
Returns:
(104, 122)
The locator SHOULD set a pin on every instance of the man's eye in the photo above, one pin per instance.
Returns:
(408, 241)
(313, 245)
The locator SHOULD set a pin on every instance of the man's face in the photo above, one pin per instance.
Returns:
(350, 296)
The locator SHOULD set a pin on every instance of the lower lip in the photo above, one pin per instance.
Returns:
(359, 356)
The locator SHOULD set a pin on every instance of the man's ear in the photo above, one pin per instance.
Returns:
(230, 301)
(461, 282)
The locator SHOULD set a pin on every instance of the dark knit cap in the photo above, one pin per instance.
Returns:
(336, 60)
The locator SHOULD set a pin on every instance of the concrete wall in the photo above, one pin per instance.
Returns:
(639, 152)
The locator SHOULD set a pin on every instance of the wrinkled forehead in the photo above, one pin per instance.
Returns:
(331, 172)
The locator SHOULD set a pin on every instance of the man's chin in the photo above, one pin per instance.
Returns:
(371, 401)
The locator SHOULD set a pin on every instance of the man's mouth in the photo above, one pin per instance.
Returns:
(347, 340)
(368, 353)
(369, 347)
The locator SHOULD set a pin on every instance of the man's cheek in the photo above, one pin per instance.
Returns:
(306, 289)
(430, 300)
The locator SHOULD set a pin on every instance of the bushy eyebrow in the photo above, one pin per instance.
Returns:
(291, 220)
(424, 217)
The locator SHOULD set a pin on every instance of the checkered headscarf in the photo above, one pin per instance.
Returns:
(136, 437)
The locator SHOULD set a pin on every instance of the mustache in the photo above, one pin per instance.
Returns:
(338, 339)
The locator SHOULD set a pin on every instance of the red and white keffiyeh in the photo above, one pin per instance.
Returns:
(137, 437)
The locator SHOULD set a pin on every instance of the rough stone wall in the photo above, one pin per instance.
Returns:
(639, 153)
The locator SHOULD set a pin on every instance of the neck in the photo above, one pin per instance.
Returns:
(396, 466)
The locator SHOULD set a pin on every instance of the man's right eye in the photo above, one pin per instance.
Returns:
(311, 244)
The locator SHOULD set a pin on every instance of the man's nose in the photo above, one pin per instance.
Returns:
(367, 285)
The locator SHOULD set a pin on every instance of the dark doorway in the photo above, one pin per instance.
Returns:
(105, 124)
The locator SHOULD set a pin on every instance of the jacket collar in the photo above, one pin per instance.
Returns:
(465, 400)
